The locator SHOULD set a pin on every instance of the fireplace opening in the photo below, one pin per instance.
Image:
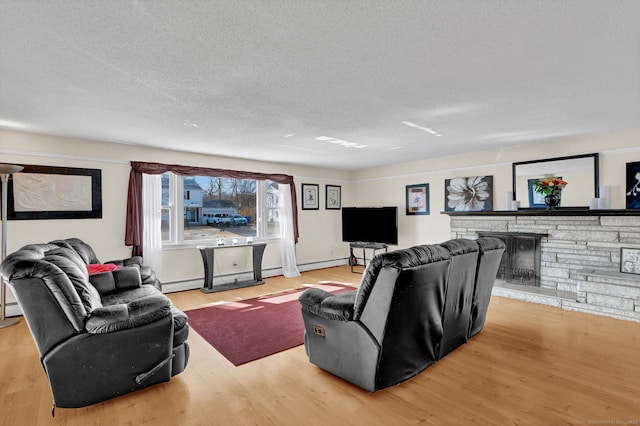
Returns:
(521, 260)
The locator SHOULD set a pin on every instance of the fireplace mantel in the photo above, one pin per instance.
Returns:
(543, 212)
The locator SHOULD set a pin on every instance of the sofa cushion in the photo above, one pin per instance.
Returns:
(116, 280)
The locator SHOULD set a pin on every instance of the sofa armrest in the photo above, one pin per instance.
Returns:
(108, 319)
(328, 305)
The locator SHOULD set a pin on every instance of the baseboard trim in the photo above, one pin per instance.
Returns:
(196, 283)
(12, 310)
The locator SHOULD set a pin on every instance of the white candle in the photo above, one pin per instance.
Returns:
(508, 198)
(603, 204)
(605, 198)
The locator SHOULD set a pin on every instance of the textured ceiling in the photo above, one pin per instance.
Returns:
(344, 84)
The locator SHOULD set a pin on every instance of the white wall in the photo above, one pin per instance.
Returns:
(385, 186)
(320, 230)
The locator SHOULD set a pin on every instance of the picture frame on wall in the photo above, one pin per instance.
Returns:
(333, 195)
(633, 186)
(468, 194)
(310, 193)
(630, 260)
(48, 192)
(417, 199)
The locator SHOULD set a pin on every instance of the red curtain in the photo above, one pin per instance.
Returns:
(133, 231)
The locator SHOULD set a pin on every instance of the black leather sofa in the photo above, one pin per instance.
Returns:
(99, 335)
(412, 308)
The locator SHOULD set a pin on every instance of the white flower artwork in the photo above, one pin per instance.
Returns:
(469, 194)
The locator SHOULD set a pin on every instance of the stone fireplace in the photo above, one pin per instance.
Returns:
(579, 256)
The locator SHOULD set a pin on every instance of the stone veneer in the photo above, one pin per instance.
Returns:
(580, 257)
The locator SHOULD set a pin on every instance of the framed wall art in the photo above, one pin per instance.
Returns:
(333, 195)
(633, 185)
(417, 199)
(48, 192)
(469, 194)
(630, 260)
(310, 196)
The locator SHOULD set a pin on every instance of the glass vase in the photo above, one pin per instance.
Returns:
(552, 201)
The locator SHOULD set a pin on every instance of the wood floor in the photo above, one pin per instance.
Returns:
(531, 365)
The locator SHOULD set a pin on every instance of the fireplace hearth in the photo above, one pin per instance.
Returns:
(521, 260)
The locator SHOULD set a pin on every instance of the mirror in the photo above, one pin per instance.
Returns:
(579, 171)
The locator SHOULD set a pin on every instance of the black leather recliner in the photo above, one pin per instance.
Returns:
(101, 335)
(412, 308)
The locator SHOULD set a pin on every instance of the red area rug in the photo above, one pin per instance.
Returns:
(250, 329)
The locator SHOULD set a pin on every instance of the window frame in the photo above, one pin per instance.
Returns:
(176, 213)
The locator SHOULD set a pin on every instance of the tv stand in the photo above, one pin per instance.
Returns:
(364, 246)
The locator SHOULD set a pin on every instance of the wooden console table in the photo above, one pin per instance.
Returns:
(208, 252)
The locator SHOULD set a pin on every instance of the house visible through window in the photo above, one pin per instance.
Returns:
(197, 208)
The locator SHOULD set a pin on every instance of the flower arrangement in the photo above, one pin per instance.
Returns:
(549, 185)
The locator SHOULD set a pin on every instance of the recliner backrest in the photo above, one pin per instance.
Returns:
(64, 274)
(47, 295)
(398, 259)
(491, 250)
(400, 302)
(84, 250)
(76, 270)
(459, 293)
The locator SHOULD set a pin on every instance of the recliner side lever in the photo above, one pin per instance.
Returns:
(142, 377)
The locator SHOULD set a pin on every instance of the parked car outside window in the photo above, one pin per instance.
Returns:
(220, 220)
(239, 220)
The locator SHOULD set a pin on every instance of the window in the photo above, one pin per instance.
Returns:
(200, 208)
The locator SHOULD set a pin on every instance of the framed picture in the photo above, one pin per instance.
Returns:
(630, 260)
(333, 197)
(469, 194)
(417, 199)
(47, 192)
(310, 196)
(633, 185)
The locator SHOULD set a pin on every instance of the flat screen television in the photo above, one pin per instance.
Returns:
(370, 225)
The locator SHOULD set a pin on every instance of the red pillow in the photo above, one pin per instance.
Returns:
(96, 268)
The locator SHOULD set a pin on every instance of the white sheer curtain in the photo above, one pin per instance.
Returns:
(287, 242)
(152, 217)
